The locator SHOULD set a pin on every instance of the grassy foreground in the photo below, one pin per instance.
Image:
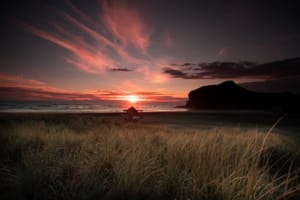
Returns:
(90, 157)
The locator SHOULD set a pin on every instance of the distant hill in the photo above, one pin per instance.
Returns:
(229, 95)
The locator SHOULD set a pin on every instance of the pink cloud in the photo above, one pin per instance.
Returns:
(13, 87)
(152, 70)
(153, 75)
(17, 81)
(94, 57)
(103, 42)
(129, 85)
(22, 93)
(92, 51)
(79, 13)
(84, 56)
(125, 24)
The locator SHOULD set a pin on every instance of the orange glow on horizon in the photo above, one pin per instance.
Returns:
(23, 88)
(132, 98)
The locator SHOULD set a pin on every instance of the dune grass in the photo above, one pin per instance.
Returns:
(87, 157)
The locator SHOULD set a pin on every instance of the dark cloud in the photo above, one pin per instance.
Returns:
(120, 70)
(175, 73)
(187, 64)
(235, 70)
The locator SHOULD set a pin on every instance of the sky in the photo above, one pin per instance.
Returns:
(157, 50)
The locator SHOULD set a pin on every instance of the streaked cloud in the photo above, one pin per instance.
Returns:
(19, 93)
(24, 83)
(119, 37)
(13, 87)
(90, 49)
(84, 56)
(153, 73)
(125, 23)
(15, 80)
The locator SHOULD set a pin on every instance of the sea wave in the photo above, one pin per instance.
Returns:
(86, 106)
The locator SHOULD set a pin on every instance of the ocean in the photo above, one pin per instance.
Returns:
(203, 119)
(86, 106)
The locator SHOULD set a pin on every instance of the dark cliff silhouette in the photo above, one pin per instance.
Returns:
(229, 95)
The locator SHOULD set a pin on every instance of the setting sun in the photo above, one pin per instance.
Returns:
(132, 98)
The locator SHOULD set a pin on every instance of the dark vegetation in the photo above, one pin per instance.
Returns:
(92, 157)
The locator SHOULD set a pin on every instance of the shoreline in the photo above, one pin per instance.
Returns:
(189, 111)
